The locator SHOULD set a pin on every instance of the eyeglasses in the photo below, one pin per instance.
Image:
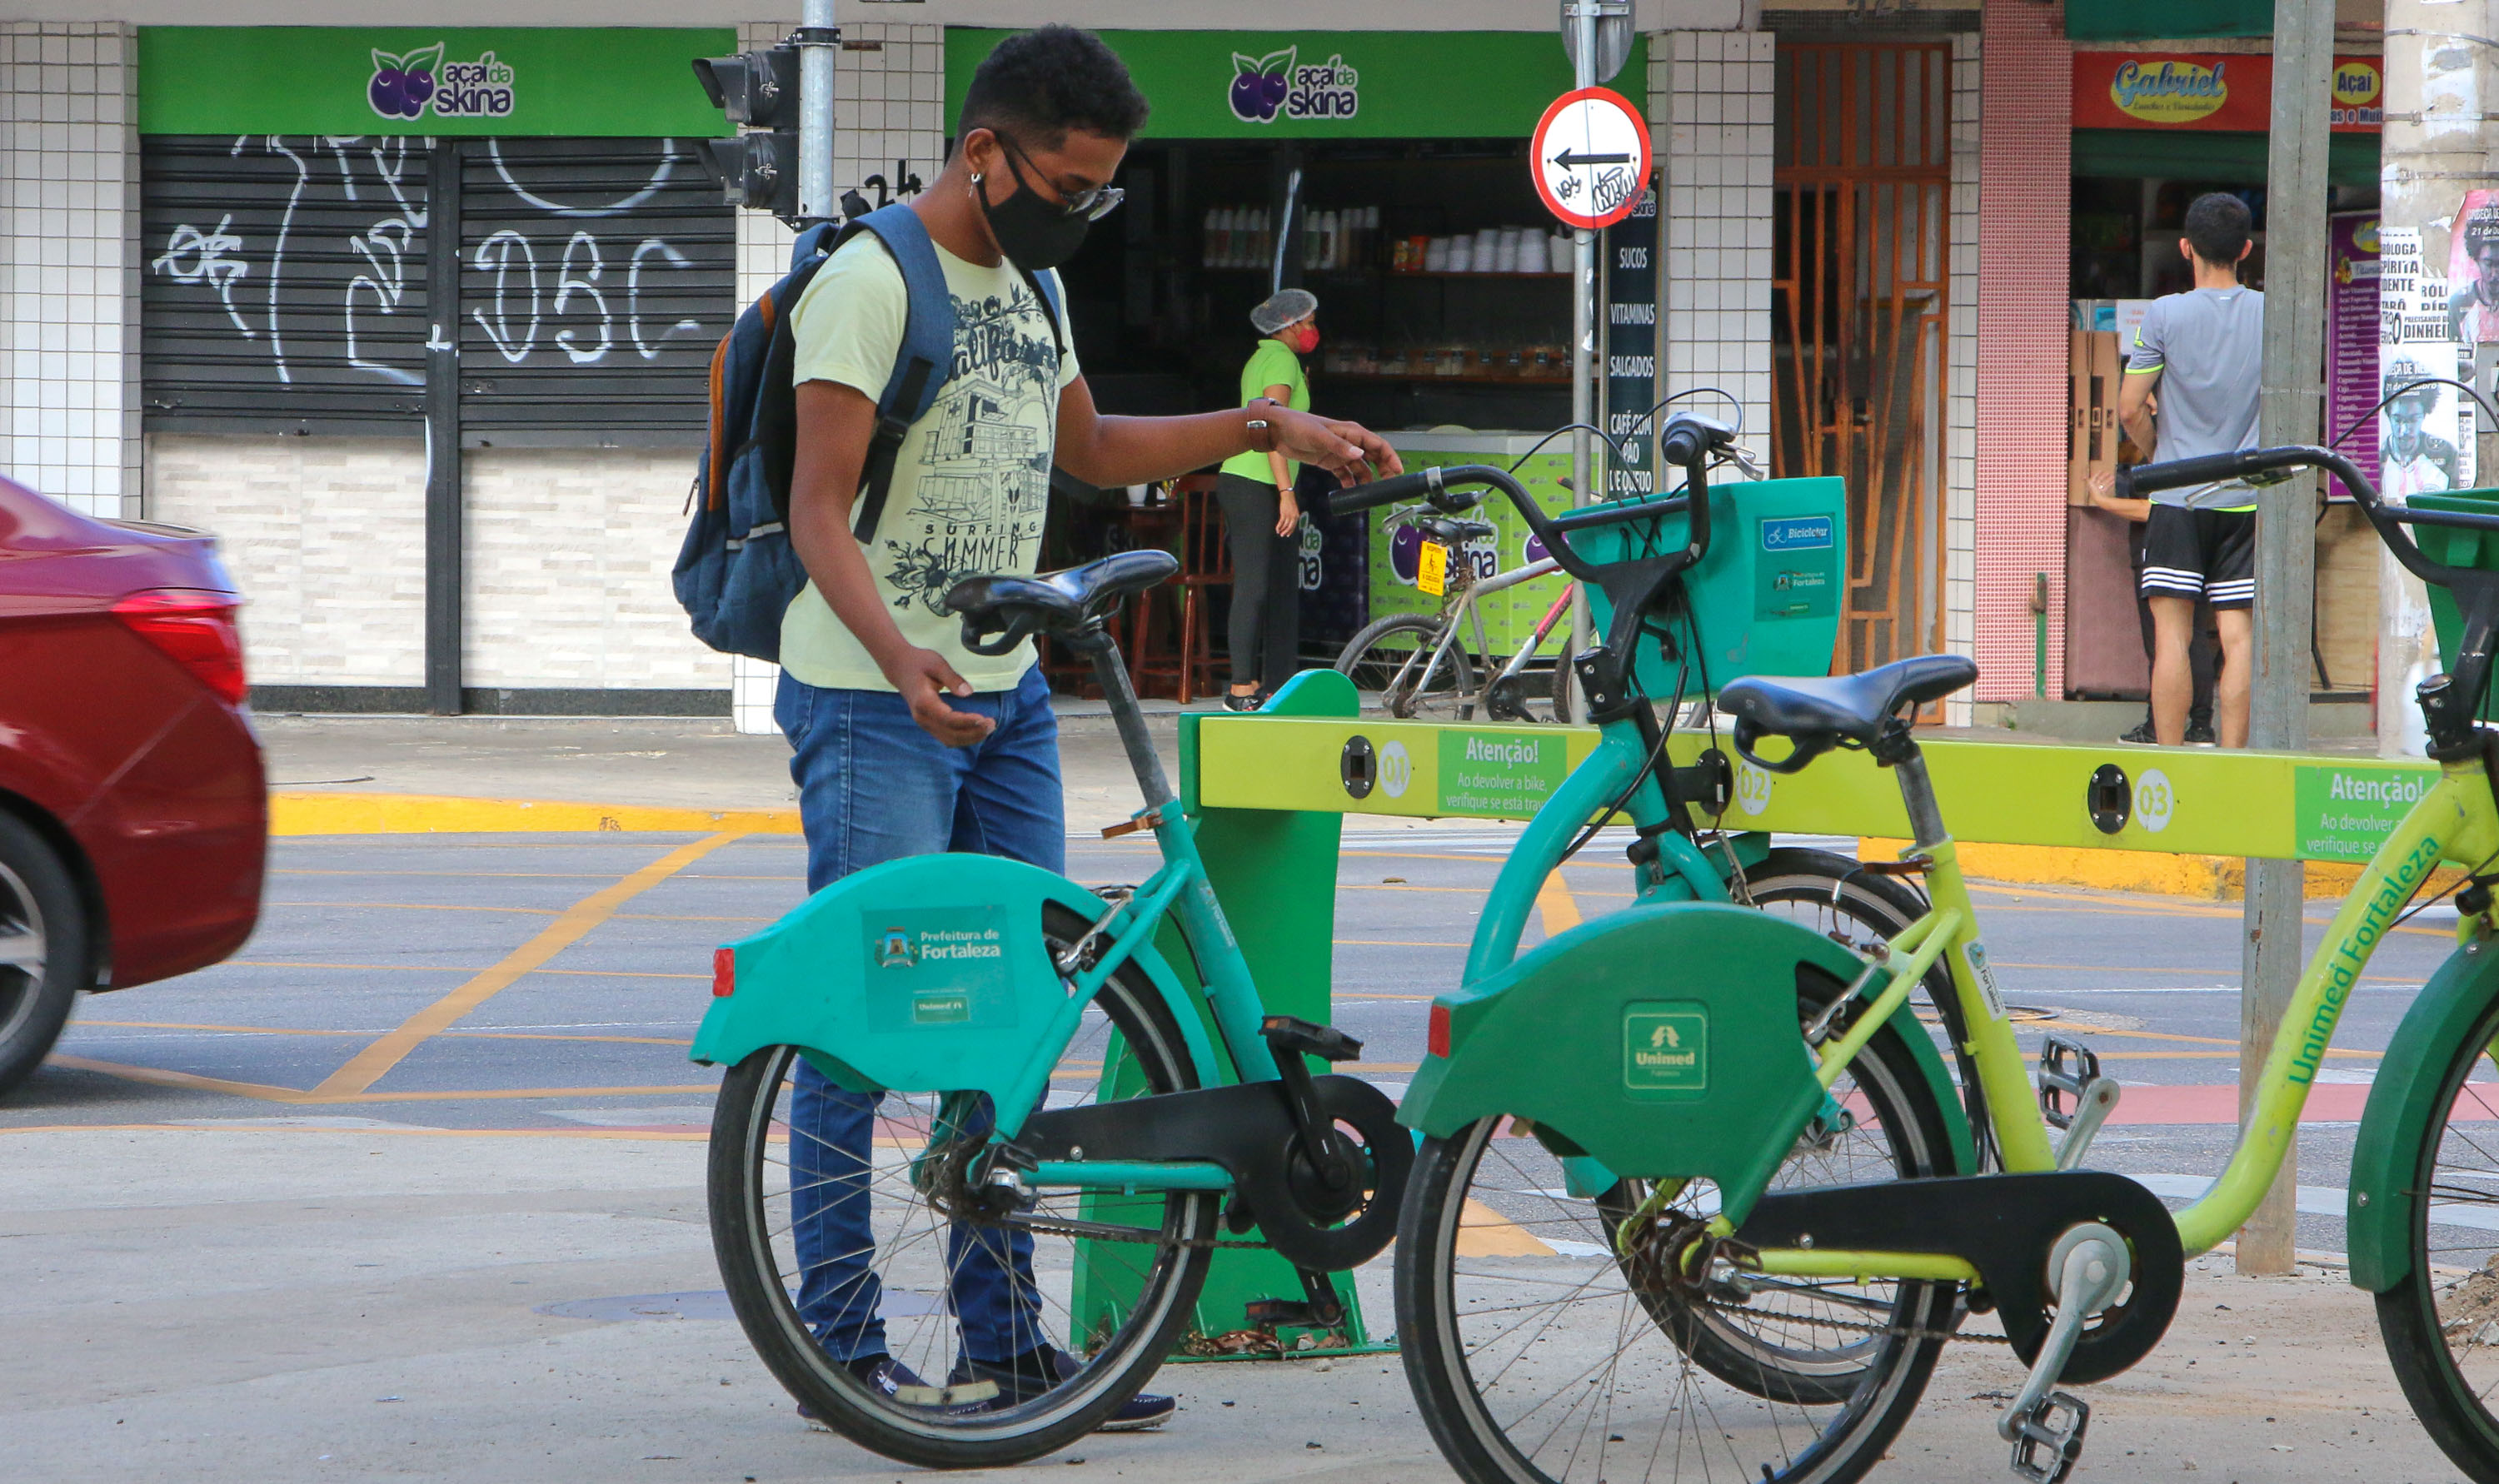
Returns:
(1092, 205)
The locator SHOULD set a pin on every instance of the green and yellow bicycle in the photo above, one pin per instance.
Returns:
(1697, 1198)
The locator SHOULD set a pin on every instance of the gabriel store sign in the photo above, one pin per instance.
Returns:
(2211, 90)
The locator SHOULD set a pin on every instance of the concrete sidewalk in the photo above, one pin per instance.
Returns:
(280, 1302)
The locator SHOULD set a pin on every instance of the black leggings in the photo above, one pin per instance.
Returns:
(1266, 629)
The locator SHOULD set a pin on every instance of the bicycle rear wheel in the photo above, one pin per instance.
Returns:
(2440, 1324)
(830, 1218)
(1396, 659)
(1535, 1359)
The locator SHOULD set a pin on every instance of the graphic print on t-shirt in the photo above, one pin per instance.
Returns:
(984, 477)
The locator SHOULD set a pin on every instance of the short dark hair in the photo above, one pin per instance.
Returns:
(1038, 84)
(2218, 225)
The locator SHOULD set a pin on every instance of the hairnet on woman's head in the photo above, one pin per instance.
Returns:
(1282, 308)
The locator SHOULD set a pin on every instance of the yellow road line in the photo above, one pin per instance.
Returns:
(475, 1035)
(371, 1064)
(421, 968)
(1483, 1232)
(188, 1082)
(530, 912)
(1560, 909)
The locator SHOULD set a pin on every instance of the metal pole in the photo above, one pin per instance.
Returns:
(817, 43)
(444, 627)
(2294, 329)
(1584, 348)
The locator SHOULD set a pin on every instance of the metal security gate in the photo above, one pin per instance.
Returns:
(1861, 213)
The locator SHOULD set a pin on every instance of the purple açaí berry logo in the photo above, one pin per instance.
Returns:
(405, 86)
(1264, 87)
(402, 85)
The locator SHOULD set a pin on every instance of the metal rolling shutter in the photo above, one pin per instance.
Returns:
(597, 274)
(282, 284)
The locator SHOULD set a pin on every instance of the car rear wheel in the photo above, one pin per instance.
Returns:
(43, 949)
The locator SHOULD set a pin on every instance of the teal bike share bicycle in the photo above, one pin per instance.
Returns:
(1066, 1122)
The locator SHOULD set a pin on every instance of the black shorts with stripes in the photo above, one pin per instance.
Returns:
(2207, 554)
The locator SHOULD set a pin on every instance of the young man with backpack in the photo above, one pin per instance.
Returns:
(904, 742)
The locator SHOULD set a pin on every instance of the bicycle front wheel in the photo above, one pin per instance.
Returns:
(2440, 1324)
(1536, 1358)
(1399, 660)
(942, 1340)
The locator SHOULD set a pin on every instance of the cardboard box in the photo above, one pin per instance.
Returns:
(2093, 368)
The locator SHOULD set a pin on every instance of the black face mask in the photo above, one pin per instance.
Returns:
(1034, 234)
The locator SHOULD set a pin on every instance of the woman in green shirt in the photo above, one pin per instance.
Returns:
(1260, 517)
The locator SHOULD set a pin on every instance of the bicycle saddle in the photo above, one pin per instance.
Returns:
(1457, 533)
(1840, 709)
(1053, 603)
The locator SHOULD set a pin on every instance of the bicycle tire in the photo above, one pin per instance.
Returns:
(1517, 1427)
(1443, 693)
(2438, 1311)
(760, 1272)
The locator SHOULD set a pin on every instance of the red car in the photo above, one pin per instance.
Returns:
(134, 813)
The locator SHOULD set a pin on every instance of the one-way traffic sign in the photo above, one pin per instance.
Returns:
(1590, 157)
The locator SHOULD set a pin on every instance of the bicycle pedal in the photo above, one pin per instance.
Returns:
(2066, 1070)
(2064, 1446)
(1291, 1033)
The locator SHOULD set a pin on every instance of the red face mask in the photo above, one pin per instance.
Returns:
(1303, 338)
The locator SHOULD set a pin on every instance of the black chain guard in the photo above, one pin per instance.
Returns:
(1249, 1129)
(2003, 1225)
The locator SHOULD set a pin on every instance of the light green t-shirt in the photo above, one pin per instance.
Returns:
(971, 481)
(1272, 364)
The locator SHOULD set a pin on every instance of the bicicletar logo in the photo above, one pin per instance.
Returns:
(1264, 87)
(407, 86)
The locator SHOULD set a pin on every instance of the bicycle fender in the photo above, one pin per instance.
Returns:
(2385, 1157)
(1660, 1041)
(925, 973)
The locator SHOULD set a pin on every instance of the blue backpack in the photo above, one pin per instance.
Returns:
(736, 575)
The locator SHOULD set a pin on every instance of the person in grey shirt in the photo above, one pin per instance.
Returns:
(2204, 352)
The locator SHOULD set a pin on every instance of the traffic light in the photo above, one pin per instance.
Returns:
(758, 91)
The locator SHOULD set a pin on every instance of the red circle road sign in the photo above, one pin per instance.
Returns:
(1590, 157)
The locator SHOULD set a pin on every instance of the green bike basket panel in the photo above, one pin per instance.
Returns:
(2450, 546)
(1766, 596)
(925, 973)
(1661, 1041)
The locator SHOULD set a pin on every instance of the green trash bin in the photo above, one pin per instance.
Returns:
(2451, 547)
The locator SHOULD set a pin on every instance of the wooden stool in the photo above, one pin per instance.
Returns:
(1205, 562)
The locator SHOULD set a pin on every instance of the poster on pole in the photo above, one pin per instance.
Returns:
(1629, 253)
(2351, 329)
(2425, 441)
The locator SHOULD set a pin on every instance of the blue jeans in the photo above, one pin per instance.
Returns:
(873, 788)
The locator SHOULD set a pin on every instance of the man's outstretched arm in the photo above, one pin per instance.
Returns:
(1107, 451)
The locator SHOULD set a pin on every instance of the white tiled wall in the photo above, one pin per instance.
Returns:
(1961, 371)
(324, 537)
(567, 570)
(69, 295)
(1711, 97)
(887, 105)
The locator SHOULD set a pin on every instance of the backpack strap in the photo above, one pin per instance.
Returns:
(1046, 289)
(922, 362)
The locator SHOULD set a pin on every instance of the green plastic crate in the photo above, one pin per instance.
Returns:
(1766, 596)
(2477, 550)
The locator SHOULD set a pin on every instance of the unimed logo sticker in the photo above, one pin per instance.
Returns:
(1666, 1046)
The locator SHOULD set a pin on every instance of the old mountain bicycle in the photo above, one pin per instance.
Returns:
(1606, 1268)
(1046, 1130)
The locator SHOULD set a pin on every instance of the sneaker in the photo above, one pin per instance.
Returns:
(899, 1382)
(2142, 733)
(1044, 1367)
(1234, 700)
(2200, 734)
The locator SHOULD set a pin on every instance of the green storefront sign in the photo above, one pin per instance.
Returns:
(1329, 84)
(341, 81)
(2345, 813)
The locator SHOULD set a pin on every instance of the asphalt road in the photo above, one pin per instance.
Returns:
(546, 982)
(433, 1132)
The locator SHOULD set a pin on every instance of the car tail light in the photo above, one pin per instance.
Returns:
(724, 973)
(194, 629)
(1435, 1039)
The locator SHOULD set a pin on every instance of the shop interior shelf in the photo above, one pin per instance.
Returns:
(1474, 376)
(1384, 272)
